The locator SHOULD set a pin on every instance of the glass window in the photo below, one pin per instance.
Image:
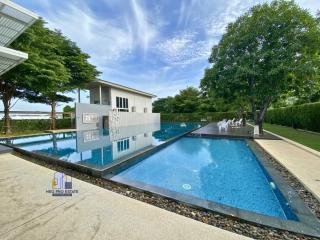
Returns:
(118, 102)
(123, 145)
(122, 104)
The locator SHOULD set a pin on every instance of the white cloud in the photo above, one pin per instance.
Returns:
(145, 32)
(103, 39)
(183, 49)
(107, 39)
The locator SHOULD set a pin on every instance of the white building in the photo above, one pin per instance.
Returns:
(14, 20)
(113, 105)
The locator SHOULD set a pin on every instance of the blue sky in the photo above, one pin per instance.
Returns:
(159, 46)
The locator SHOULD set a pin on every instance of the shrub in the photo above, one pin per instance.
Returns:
(37, 124)
(305, 116)
(196, 117)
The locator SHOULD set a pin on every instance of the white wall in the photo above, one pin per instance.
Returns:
(85, 108)
(134, 99)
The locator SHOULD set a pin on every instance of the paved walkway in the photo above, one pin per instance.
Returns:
(28, 212)
(301, 163)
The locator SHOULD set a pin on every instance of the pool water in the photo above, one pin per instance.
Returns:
(220, 170)
(98, 148)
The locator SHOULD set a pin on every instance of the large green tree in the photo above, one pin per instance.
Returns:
(55, 66)
(270, 50)
(41, 68)
(80, 71)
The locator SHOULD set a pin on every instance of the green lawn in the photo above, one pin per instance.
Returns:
(308, 139)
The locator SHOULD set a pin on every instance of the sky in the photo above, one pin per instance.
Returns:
(157, 46)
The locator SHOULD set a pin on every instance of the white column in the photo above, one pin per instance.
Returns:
(100, 95)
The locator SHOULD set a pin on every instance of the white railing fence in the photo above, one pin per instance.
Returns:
(124, 119)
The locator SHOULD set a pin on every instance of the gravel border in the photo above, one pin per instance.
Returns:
(215, 219)
(309, 199)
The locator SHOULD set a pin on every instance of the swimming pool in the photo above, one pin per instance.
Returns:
(220, 170)
(232, 177)
(98, 148)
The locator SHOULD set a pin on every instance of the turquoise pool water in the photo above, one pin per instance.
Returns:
(98, 148)
(219, 170)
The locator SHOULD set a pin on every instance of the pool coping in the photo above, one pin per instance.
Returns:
(308, 224)
(96, 172)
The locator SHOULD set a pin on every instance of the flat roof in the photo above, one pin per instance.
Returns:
(115, 85)
(10, 58)
(14, 20)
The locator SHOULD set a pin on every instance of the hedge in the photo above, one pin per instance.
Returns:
(305, 116)
(196, 117)
(37, 124)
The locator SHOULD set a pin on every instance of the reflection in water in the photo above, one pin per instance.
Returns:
(97, 148)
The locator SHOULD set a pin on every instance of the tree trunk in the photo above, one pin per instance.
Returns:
(260, 127)
(7, 92)
(6, 109)
(53, 115)
(262, 113)
(254, 113)
(244, 120)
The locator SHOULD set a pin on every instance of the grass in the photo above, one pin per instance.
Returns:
(20, 133)
(311, 140)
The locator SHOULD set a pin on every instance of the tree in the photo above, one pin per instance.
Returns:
(24, 80)
(68, 109)
(79, 69)
(159, 105)
(187, 100)
(55, 66)
(270, 50)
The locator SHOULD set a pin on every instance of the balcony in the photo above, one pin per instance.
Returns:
(100, 94)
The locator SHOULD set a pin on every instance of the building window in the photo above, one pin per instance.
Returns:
(122, 104)
(123, 145)
(118, 102)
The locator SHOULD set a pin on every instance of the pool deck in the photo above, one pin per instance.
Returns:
(212, 130)
(27, 211)
(302, 162)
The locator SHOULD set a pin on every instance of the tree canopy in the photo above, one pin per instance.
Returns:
(187, 100)
(271, 50)
(55, 66)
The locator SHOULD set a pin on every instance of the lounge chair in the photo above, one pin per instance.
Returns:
(239, 123)
(224, 125)
(222, 122)
(233, 122)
